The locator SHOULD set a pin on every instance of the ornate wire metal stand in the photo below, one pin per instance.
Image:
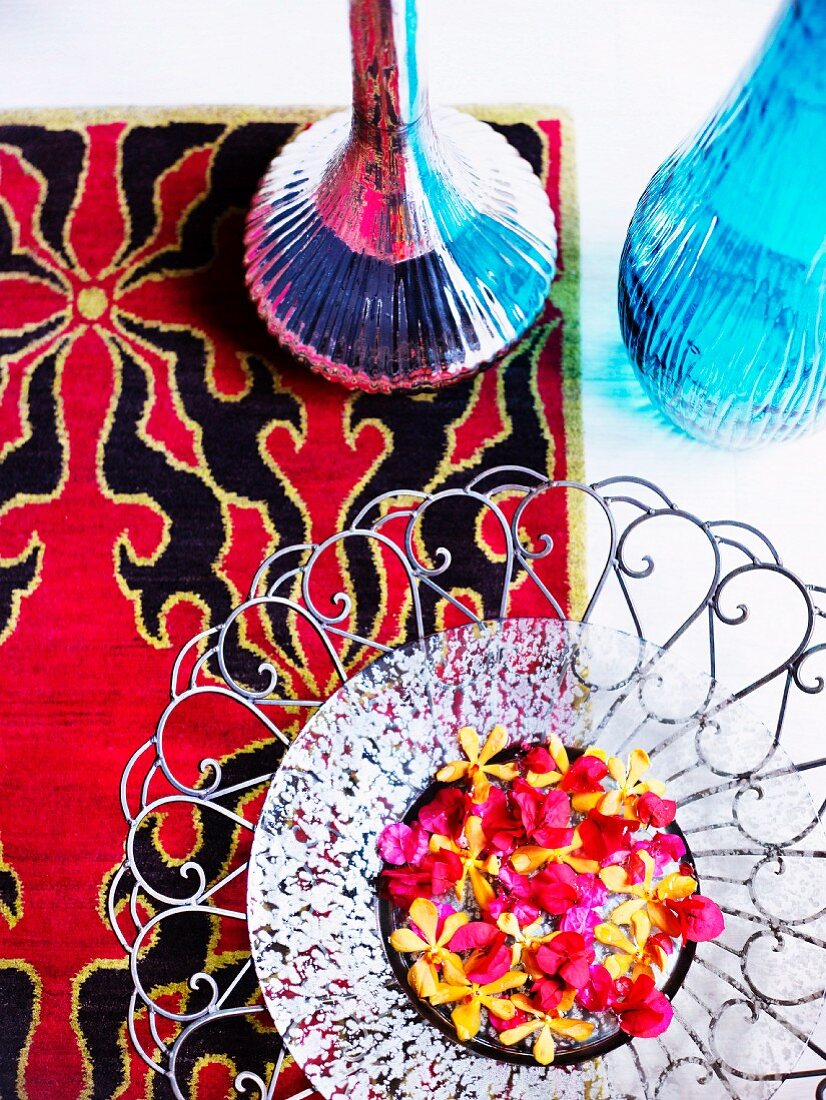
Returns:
(406, 565)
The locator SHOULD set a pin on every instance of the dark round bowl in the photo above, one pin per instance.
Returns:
(390, 917)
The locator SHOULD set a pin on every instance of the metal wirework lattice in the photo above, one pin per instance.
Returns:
(474, 551)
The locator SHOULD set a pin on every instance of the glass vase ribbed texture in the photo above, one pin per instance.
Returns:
(723, 276)
(394, 246)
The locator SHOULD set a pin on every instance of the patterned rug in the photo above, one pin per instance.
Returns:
(155, 445)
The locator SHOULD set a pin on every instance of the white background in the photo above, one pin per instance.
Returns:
(636, 75)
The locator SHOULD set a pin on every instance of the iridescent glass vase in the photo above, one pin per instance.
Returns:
(723, 276)
(394, 246)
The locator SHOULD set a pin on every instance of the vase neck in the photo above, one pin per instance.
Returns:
(389, 90)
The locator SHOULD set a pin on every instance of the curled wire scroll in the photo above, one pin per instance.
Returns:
(303, 604)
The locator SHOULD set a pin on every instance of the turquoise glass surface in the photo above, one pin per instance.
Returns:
(722, 288)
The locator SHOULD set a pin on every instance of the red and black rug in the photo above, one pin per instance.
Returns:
(155, 445)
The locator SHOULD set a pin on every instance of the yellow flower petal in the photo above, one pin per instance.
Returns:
(447, 994)
(524, 1005)
(469, 740)
(438, 843)
(481, 788)
(583, 803)
(655, 786)
(543, 779)
(615, 879)
(496, 742)
(676, 886)
(623, 913)
(573, 1029)
(638, 764)
(544, 1047)
(508, 924)
(512, 980)
(451, 926)
(648, 877)
(517, 1034)
(611, 935)
(610, 803)
(600, 754)
(405, 939)
(482, 889)
(475, 836)
(582, 866)
(530, 858)
(502, 771)
(456, 769)
(454, 971)
(423, 978)
(500, 1007)
(425, 916)
(467, 1019)
(617, 771)
(558, 752)
(662, 916)
(641, 923)
(617, 965)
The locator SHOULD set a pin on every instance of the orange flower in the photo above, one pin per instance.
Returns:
(628, 779)
(467, 1016)
(526, 942)
(648, 896)
(476, 767)
(640, 956)
(473, 867)
(423, 976)
(547, 1024)
(528, 859)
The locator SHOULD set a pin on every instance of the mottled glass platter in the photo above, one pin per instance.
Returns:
(750, 1000)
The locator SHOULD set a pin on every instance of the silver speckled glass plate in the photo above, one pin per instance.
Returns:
(751, 998)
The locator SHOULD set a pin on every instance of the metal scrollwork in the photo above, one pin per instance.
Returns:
(191, 792)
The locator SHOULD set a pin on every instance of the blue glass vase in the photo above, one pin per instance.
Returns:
(722, 287)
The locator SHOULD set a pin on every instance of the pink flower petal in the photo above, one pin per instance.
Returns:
(582, 920)
(700, 918)
(600, 991)
(445, 814)
(539, 760)
(391, 843)
(484, 967)
(652, 810)
(474, 935)
(585, 774)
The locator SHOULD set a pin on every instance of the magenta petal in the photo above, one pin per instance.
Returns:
(551, 837)
(539, 760)
(656, 811)
(600, 991)
(445, 815)
(576, 972)
(490, 965)
(391, 843)
(474, 935)
(548, 993)
(591, 891)
(664, 848)
(700, 918)
(580, 919)
(585, 774)
(650, 1019)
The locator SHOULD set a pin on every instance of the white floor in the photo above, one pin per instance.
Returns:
(637, 75)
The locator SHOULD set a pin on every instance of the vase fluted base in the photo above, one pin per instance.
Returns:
(408, 266)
